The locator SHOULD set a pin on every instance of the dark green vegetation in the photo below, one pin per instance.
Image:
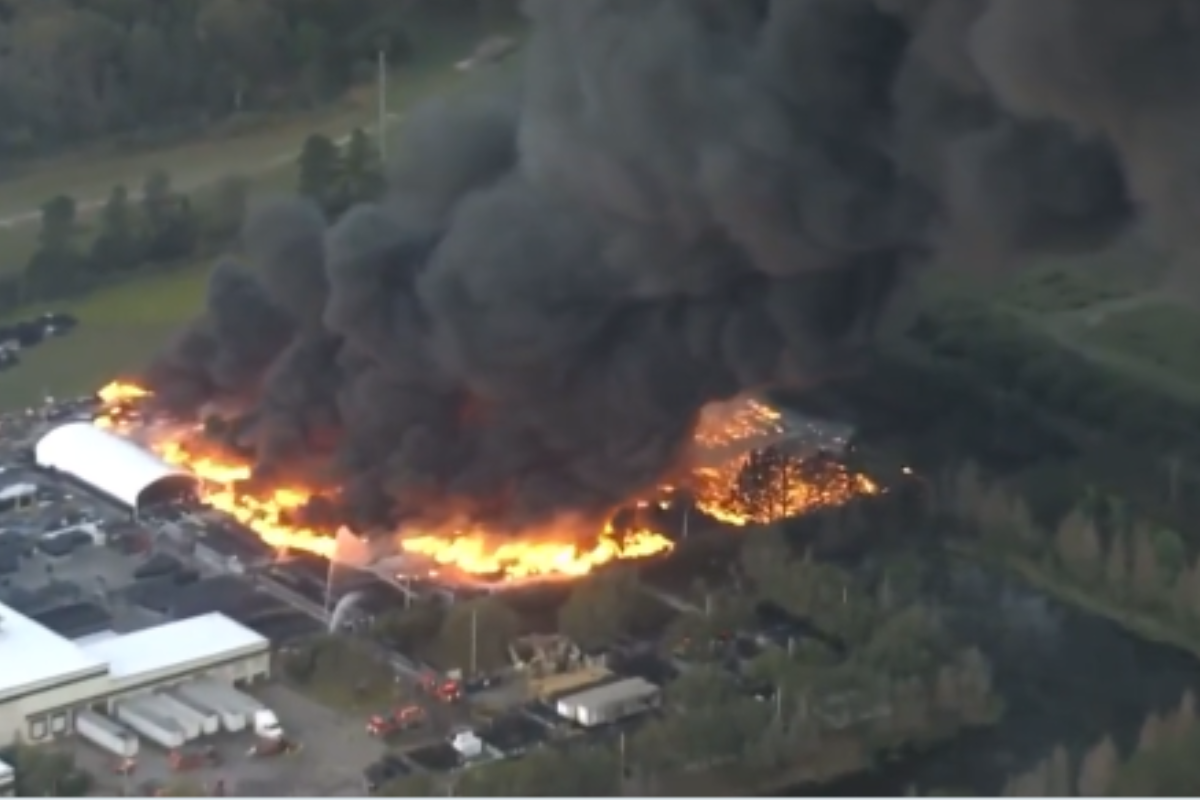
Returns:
(46, 772)
(138, 273)
(164, 227)
(866, 668)
(1066, 464)
(1162, 763)
(144, 70)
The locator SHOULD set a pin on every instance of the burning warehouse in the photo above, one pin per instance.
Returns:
(744, 471)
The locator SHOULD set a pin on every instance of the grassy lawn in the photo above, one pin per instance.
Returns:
(265, 152)
(1160, 334)
(121, 327)
(125, 324)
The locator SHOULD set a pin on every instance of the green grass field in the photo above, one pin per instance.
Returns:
(1161, 335)
(121, 327)
(265, 153)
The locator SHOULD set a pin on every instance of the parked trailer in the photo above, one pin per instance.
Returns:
(262, 719)
(151, 723)
(610, 703)
(240, 700)
(186, 721)
(213, 717)
(204, 724)
(232, 720)
(106, 734)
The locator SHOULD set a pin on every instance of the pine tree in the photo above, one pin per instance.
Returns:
(1078, 545)
(1116, 565)
(1145, 578)
(1098, 768)
(1058, 774)
(1151, 734)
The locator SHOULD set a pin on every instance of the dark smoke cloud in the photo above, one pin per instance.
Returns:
(679, 200)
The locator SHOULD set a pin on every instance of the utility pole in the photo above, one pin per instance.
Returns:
(687, 517)
(621, 762)
(381, 125)
(474, 640)
(329, 590)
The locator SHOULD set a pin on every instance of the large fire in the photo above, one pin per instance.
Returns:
(732, 482)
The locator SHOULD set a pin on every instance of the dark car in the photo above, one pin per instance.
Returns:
(29, 334)
(55, 324)
(60, 320)
(384, 771)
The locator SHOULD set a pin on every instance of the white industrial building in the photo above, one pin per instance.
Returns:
(45, 679)
(111, 465)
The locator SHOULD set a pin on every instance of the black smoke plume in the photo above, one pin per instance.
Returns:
(678, 201)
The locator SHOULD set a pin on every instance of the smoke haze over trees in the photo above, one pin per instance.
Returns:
(677, 202)
(74, 71)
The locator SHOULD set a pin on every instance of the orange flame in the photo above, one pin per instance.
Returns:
(518, 559)
(121, 392)
(738, 488)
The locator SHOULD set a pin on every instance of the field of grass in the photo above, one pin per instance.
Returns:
(265, 153)
(1162, 335)
(1068, 285)
(121, 327)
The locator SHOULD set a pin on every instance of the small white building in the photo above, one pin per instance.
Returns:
(45, 678)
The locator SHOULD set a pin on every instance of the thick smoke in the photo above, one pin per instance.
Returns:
(679, 201)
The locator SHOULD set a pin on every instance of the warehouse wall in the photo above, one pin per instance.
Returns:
(43, 716)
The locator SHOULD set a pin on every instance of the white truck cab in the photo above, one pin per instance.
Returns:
(8, 780)
(266, 724)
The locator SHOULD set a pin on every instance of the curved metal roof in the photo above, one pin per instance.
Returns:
(105, 461)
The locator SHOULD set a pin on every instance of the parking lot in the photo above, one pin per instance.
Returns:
(330, 762)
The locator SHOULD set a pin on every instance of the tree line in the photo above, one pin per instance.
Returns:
(73, 72)
(1162, 763)
(869, 667)
(159, 227)
(1133, 569)
(941, 412)
(998, 350)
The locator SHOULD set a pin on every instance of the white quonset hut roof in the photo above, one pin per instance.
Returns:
(175, 648)
(33, 657)
(106, 462)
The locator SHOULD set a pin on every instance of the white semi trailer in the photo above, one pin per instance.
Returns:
(109, 736)
(151, 723)
(232, 720)
(202, 724)
(152, 704)
(263, 720)
(610, 702)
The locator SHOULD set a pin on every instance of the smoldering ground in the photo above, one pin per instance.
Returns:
(675, 202)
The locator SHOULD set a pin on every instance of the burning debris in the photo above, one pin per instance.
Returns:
(739, 486)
